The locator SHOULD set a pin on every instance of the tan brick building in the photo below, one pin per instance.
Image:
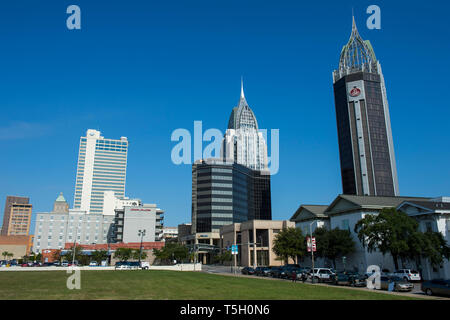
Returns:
(19, 246)
(255, 241)
(17, 216)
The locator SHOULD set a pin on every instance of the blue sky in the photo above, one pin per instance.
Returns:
(142, 69)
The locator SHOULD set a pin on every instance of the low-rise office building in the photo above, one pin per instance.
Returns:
(132, 219)
(346, 210)
(54, 229)
(18, 246)
(255, 240)
(224, 193)
(170, 233)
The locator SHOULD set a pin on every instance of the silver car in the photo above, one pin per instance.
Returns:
(399, 283)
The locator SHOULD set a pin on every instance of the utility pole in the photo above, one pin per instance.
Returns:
(74, 245)
(312, 251)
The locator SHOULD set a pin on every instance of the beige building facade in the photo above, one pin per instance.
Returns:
(17, 216)
(255, 240)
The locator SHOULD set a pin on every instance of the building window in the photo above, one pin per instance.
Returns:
(344, 224)
(428, 227)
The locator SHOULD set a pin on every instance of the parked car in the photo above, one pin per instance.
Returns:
(302, 274)
(121, 265)
(322, 274)
(145, 265)
(24, 265)
(436, 287)
(93, 264)
(407, 274)
(134, 265)
(64, 264)
(47, 264)
(400, 284)
(290, 270)
(285, 272)
(248, 270)
(274, 271)
(261, 271)
(349, 278)
(57, 263)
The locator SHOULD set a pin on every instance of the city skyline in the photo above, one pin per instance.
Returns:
(161, 99)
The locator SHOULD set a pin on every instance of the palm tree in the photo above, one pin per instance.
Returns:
(5, 254)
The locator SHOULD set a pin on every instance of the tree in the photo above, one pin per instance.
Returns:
(57, 255)
(135, 254)
(171, 251)
(99, 255)
(225, 256)
(123, 254)
(390, 231)
(435, 248)
(289, 243)
(5, 254)
(334, 243)
(69, 255)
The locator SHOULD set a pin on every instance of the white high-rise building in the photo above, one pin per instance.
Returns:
(243, 143)
(102, 166)
(112, 203)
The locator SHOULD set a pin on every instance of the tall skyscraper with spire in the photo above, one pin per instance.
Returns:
(366, 147)
(243, 143)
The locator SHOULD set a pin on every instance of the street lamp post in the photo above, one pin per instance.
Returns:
(74, 245)
(141, 234)
(312, 251)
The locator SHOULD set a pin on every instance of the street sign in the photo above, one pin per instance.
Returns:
(313, 241)
(234, 249)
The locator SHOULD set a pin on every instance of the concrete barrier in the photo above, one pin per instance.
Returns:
(178, 267)
(52, 268)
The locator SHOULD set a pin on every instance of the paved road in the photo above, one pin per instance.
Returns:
(416, 292)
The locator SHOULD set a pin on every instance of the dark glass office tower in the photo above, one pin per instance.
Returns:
(364, 128)
(225, 192)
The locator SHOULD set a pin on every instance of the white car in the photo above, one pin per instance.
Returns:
(145, 265)
(93, 264)
(407, 274)
(322, 274)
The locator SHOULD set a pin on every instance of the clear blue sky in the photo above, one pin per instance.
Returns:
(142, 69)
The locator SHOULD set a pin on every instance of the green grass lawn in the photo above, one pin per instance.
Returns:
(144, 284)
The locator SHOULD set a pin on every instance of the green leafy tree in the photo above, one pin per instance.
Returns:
(223, 257)
(135, 254)
(5, 254)
(123, 254)
(68, 256)
(391, 231)
(435, 248)
(289, 243)
(99, 255)
(57, 255)
(334, 243)
(171, 251)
